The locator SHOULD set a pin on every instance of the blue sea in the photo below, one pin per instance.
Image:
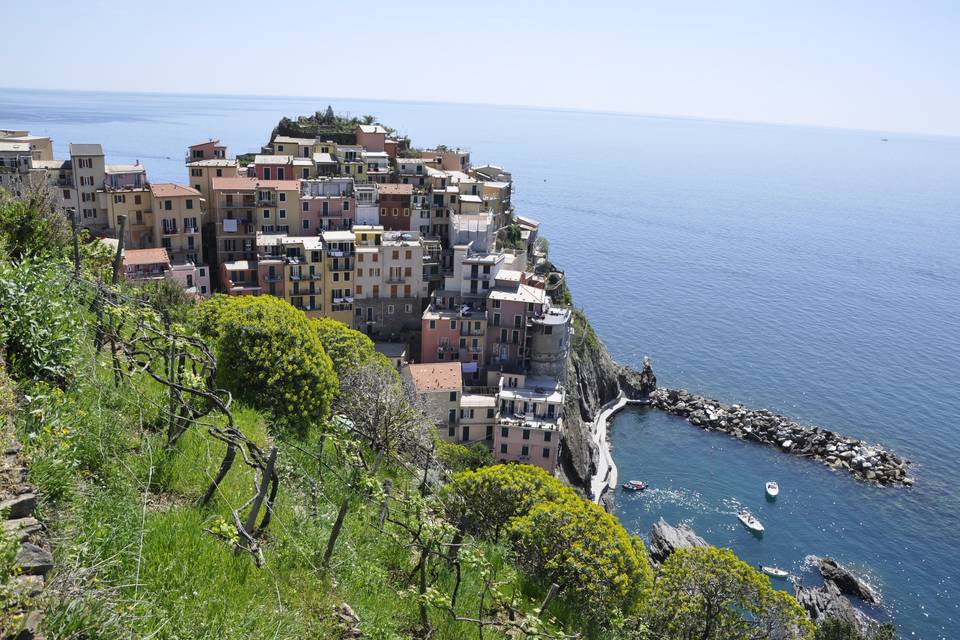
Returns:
(814, 272)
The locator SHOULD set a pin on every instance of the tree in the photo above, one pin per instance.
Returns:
(492, 496)
(348, 348)
(32, 225)
(837, 629)
(328, 116)
(457, 457)
(573, 542)
(270, 356)
(369, 119)
(709, 594)
(381, 408)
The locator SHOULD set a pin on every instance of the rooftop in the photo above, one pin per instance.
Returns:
(124, 168)
(372, 128)
(338, 236)
(261, 159)
(391, 349)
(290, 140)
(396, 189)
(171, 190)
(436, 376)
(133, 257)
(86, 150)
(213, 141)
(14, 146)
(235, 183)
(523, 293)
(213, 162)
(324, 158)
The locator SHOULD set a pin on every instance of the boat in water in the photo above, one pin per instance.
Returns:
(773, 489)
(774, 572)
(750, 521)
(634, 485)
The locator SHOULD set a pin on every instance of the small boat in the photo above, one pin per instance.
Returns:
(749, 521)
(634, 485)
(774, 572)
(773, 489)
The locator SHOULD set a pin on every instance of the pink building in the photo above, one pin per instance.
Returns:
(439, 335)
(511, 307)
(327, 204)
(371, 137)
(209, 150)
(530, 421)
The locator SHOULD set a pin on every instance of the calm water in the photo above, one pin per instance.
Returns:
(813, 272)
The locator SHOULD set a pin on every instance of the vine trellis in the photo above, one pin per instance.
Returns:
(142, 341)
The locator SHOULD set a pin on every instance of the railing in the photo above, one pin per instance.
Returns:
(190, 231)
(482, 391)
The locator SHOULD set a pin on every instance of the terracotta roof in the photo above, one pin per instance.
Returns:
(171, 190)
(133, 257)
(396, 189)
(233, 183)
(436, 376)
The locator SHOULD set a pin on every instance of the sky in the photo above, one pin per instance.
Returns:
(875, 64)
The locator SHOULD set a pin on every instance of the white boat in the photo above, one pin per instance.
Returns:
(749, 521)
(774, 571)
(634, 485)
(773, 489)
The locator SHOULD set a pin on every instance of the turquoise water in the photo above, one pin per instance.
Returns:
(813, 272)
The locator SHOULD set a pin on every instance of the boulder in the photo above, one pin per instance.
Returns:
(823, 603)
(20, 529)
(665, 539)
(19, 506)
(34, 561)
(846, 582)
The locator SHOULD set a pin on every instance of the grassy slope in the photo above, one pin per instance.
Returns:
(133, 556)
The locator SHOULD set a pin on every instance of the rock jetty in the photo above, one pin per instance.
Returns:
(864, 461)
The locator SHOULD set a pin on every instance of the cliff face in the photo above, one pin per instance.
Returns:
(592, 381)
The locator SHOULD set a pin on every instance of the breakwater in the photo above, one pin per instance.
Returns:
(867, 462)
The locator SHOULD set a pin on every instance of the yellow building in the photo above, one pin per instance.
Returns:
(137, 204)
(202, 172)
(339, 251)
(178, 216)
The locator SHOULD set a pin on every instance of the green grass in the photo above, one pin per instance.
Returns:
(134, 556)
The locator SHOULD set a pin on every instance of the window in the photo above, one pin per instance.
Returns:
(189, 202)
(306, 224)
(266, 173)
(490, 412)
(306, 206)
(219, 173)
(168, 205)
(546, 452)
(526, 434)
(283, 196)
(266, 214)
(524, 450)
(452, 431)
(196, 173)
(408, 308)
(504, 432)
(282, 213)
(433, 324)
(452, 415)
(503, 448)
(466, 434)
(546, 436)
(346, 205)
(453, 396)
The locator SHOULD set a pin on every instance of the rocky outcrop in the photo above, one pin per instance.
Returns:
(826, 602)
(864, 461)
(637, 385)
(846, 582)
(665, 539)
(592, 381)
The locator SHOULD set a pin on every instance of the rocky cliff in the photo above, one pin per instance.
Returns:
(593, 379)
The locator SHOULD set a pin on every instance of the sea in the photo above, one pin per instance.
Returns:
(811, 271)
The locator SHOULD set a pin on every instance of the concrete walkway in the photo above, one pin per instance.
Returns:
(606, 476)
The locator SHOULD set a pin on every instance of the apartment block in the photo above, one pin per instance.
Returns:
(326, 204)
(89, 172)
(339, 248)
(178, 221)
(440, 386)
(389, 290)
(530, 420)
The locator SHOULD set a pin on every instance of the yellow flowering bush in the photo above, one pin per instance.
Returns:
(270, 356)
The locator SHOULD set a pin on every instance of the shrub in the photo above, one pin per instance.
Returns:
(32, 227)
(492, 496)
(40, 321)
(709, 593)
(270, 356)
(598, 566)
(346, 347)
(457, 457)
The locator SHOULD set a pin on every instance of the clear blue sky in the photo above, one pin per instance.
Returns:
(871, 64)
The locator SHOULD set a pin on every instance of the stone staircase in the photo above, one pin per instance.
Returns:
(18, 501)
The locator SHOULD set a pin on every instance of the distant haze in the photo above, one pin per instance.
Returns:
(880, 65)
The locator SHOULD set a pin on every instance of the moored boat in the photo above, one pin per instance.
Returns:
(773, 489)
(634, 485)
(774, 572)
(750, 521)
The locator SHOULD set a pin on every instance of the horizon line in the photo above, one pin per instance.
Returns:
(612, 112)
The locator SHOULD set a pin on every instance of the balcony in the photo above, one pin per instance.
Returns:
(447, 348)
(191, 231)
(168, 230)
(396, 279)
(273, 277)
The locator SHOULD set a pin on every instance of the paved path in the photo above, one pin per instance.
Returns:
(606, 476)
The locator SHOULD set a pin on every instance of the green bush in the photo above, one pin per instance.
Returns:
(598, 566)
(457, 457)
(346, 347)
(711, 594)
(32, 227)
(270, 356)
(40, 321)
(492, 496)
